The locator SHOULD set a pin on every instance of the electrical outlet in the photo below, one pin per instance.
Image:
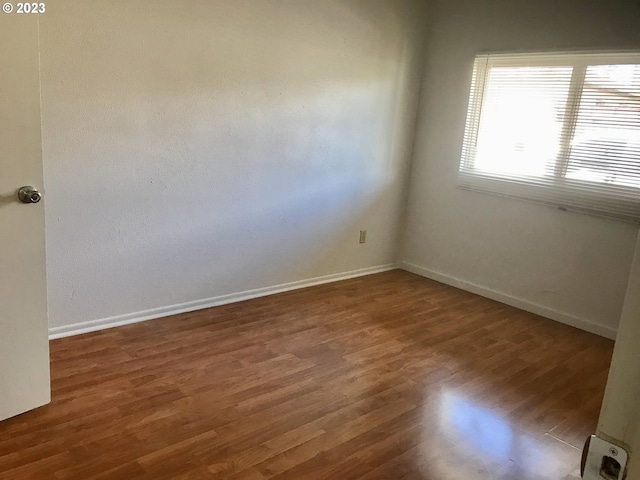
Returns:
(363, 236)
(603, 460)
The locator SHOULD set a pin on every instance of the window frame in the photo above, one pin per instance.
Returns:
(556, 190)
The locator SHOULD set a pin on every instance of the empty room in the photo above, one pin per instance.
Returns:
(320, 239)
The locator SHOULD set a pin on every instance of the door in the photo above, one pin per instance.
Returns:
(619, 420)
(24, 346)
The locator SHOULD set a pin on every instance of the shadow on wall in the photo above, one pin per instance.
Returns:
(8, 199)
(232, 146)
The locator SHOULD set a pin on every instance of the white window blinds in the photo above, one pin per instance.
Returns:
(562, 129)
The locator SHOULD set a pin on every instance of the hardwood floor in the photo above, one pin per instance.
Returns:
(389, 376)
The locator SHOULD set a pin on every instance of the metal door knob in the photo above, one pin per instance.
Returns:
(29, 195)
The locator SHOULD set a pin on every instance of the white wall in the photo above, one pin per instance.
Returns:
(566, 265)
(200, 149)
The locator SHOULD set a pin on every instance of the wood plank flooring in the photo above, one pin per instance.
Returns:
(390, 376)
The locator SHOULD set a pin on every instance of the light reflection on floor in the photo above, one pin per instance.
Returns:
(485, 445)
(477, 426)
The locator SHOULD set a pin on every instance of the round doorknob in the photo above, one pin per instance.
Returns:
(29, 195)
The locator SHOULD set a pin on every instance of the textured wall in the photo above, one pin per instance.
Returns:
(568, 263)
(196, 149)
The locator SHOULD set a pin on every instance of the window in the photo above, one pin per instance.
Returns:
(561, 129)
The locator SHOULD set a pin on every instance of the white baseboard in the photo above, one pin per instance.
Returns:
(135, 317)
(513, 301)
